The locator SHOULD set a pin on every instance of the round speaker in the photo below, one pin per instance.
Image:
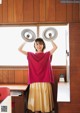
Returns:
(50, 32)
(28, 35)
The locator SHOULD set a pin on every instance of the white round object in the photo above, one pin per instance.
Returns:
(50, 32)
(28, 35)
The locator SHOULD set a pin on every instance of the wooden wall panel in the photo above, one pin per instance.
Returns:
(18, 10)
(75, 45)
(18, 76)
(79, 12)
(19, 104)
(1, 16)
(75, 79)
(60, 12)
(50, 10)
(69, 12)
(69, 108)
(5, 11)
(11, 77)
(36, 13)
(13, 104)
(28, 11)
(25, 76)
(5, 76)
(1, 76)
(75, 98)
(75, 12)
(10, 11)
(42, 10)
(75, 64)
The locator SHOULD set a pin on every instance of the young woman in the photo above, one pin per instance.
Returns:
(40, 77)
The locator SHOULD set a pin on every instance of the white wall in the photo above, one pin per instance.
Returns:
(10, 40)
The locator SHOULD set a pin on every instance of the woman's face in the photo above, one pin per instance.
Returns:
(38, 46)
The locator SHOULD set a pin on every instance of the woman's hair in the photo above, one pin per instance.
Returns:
(40, 41)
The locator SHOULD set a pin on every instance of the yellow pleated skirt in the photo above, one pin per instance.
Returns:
(40, 97)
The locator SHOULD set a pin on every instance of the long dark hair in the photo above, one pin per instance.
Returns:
(41, 41)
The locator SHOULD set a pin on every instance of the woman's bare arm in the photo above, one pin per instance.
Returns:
(54, 46)
(21, 49)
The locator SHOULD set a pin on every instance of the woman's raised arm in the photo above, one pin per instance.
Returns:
(54, 46)
(21, 49)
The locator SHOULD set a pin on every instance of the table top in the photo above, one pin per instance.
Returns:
(15, 86)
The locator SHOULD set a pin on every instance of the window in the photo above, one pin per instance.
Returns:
(10, 40)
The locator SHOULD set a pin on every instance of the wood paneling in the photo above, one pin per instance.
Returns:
(28, 11)
(10, 11)
(50, 10)
(79, 12)
(25, 76)
(36, 13)
(18, 76)
(11, 77)
(1, 77)
(42, 10)
(19, 104)
(75, 12)
(1, 16)
(60, 12)
(75, 65)
(75, 45)
(69, 12)
(5, 11)
(18, 10)
(75, 99)
(5, 76)
(69, 108)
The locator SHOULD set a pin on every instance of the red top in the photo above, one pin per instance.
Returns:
(39, 67)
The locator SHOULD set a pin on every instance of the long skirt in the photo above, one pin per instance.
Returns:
(40, 97)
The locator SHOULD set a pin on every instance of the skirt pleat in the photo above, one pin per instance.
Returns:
(40, 97)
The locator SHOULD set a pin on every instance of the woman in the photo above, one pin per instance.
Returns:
(40, 77)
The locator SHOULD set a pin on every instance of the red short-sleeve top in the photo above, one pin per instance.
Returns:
(39, 67)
